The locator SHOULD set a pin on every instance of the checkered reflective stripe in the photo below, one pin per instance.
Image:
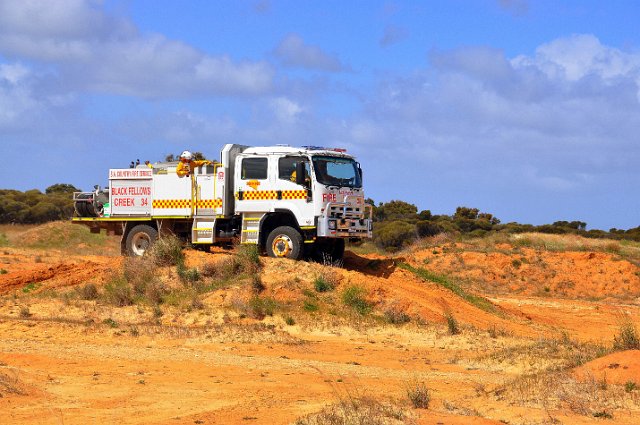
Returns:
(259, 195)
(171, 203)
(209, 203)
(294, 194)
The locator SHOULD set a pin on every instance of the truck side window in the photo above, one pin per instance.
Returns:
(254, 168)
(287, 166)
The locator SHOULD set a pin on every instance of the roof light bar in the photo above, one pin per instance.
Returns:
(321, 148)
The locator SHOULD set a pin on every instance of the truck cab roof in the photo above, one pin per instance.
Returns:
(290, 150)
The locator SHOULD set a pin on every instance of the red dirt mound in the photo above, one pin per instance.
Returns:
(617, 368)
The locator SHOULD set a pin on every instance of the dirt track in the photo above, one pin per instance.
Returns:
(62, 362)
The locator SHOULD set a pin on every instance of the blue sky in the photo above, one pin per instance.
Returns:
(529, 110)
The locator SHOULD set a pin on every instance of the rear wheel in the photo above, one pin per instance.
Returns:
(285, 242)
(140, 239)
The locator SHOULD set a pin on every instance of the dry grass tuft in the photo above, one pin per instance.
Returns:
(357, 411)
(9, 384)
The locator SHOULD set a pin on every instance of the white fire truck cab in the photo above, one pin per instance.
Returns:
(289, 201)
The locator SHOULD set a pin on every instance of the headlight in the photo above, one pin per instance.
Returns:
(332, 224)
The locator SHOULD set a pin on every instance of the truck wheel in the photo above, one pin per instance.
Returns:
(140, 239)
(285, 242)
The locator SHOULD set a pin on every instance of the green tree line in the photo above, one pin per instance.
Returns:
(33, 206)
(398, 223)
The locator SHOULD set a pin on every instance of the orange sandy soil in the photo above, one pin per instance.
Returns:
(62, 362)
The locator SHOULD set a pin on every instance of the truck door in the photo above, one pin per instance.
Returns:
(208, 192)
(254, 188)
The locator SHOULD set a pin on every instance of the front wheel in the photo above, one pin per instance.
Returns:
(285, 242)
(140, 239)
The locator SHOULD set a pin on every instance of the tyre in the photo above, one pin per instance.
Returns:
(140, 239)
(285, 242)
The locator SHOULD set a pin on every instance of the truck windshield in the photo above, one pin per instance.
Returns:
(335, 171)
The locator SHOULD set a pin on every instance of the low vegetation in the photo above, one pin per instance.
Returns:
(358, 411)
(355, 297)
(449, 283)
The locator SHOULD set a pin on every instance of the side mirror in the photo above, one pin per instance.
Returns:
(360, 172)
(301, 173)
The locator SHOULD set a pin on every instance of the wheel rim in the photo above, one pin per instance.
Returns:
(282, 246)
(140, 243)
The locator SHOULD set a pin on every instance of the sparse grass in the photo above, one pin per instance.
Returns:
(24, 312)
(355, 297)
(395, 315)
(561, 390)
(9, 385)
(419, 395)
(357, 411)
(65, 236)
(118, 292)
(4, 241)
(290, 321)
(446, 282)
(547, 355)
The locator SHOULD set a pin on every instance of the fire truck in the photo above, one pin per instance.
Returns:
(289, 201)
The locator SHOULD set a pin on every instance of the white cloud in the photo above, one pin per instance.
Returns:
(286, 110)
(91, 50)
(578, 56)
(293, 51)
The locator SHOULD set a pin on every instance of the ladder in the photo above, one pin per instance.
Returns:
(250, 232)
(202, 231)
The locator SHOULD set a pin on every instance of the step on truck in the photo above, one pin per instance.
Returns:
(290, 202)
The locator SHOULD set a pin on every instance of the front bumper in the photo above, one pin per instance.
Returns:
(345, 220)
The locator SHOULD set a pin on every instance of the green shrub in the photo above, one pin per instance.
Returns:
(396, 316)
(256, 283)
(427, 228)
(259, 307)
(355, 297)
(110, 322)
(249, 258)
(419, 395)
(627, 338)
(88, 291)
(167, 251)
(394, 235)
(118, 292)
(3, 240)
(290, 321)
(310, 305)
(630, 386)
(321, 284)
(452, 324)
(188, 276)
(3, 271)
